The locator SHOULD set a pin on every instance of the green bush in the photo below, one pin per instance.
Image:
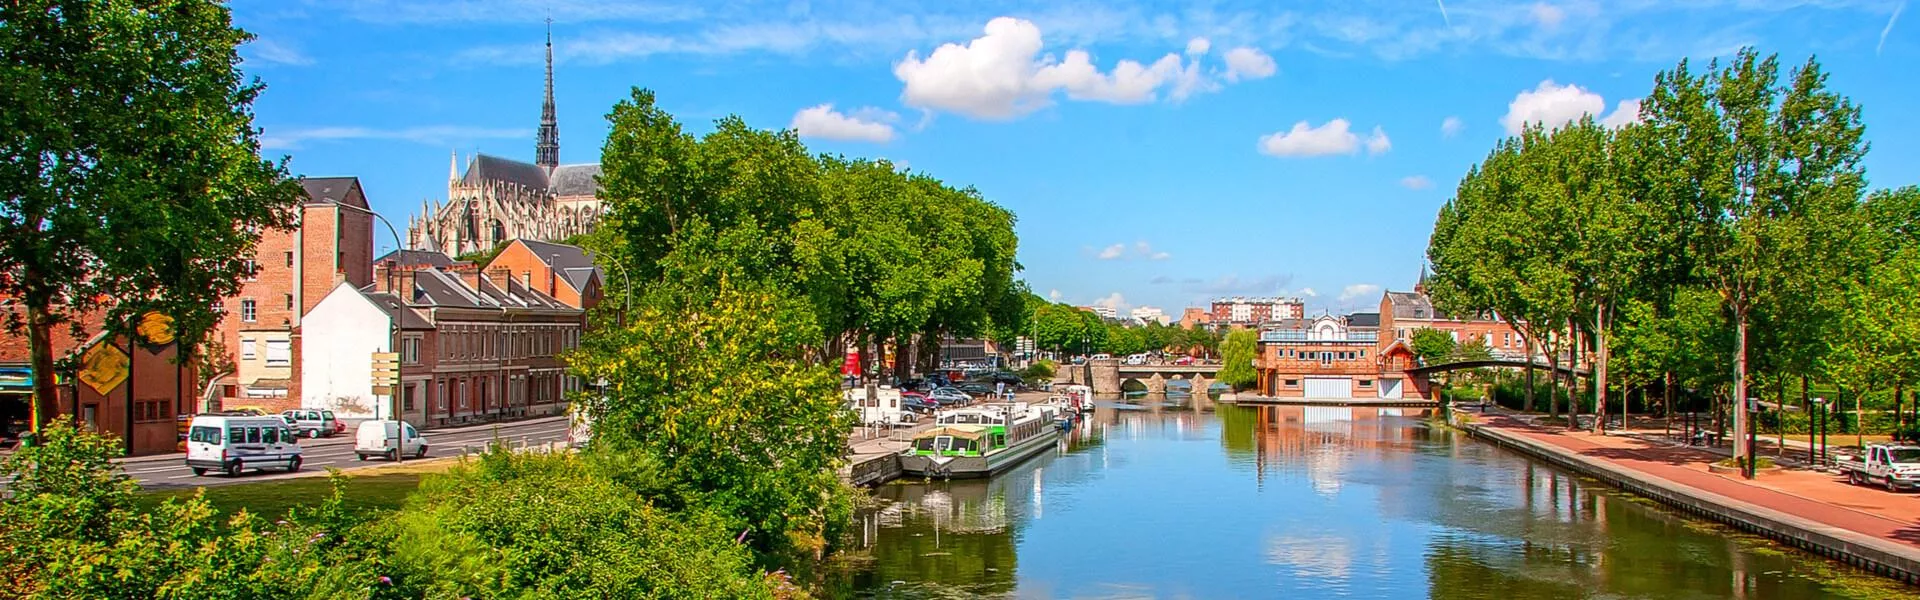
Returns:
(1040, 370)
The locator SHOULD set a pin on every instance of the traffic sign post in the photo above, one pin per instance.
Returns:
(386, 381)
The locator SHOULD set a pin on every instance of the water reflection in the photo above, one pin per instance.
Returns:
(1157, 499)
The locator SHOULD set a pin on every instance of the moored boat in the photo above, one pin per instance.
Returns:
(981, 441)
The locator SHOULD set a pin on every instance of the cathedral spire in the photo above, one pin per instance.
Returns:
(453, 165)
(547, 150)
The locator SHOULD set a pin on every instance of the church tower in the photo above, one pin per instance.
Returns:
(547, 150)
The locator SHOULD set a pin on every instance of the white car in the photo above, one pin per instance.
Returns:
(232, 444)
(378, 437)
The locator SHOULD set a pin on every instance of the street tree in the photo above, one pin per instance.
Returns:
(1236, 358)
(133, 180)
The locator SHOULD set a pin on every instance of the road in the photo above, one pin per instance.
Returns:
(337, 452)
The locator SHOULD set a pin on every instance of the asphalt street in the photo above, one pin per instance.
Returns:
(337, 452)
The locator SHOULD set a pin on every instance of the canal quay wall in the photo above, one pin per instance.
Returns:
(1880, 556)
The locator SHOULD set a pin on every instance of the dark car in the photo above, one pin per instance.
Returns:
(976, 389)
(1007, 377)
(917, 404)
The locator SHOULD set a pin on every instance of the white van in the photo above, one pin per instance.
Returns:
(231, 444)
(376, 438)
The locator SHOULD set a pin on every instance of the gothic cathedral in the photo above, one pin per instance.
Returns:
(500, 199)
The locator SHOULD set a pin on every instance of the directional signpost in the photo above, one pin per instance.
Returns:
(386, 379)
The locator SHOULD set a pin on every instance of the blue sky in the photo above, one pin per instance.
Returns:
(1155, 153)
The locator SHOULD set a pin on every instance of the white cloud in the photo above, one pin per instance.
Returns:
(1546, 15)
(1113, 252)
(436, 135)
(1159, 256)
(1054, 295)
(1358, 291)
(1002, 75)
(1332, 137)
(1307, 293)
(1416, 182)
(1198, 46)
(270, 51)
(1553, 105)
(1889, 28)
(1114, 301)
(1248, 64)
(1451, 126)
(1139, 250)
(1378, 143)
(825, 123)
(1625, 113)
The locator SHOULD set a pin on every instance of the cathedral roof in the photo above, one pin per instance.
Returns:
(408, 258)
(484, 168)
(575, 180)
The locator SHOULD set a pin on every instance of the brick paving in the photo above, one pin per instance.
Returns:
(1822, 497)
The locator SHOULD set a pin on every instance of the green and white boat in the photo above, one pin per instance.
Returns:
(981, 441)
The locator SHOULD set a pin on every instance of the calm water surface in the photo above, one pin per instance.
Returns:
(1168, 500)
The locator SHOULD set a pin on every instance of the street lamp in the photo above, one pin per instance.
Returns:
(399, 366)
(1818, 428)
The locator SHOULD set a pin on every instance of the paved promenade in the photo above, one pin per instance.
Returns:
(1813, 505)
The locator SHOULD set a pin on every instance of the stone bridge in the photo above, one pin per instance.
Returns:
(1110, 377)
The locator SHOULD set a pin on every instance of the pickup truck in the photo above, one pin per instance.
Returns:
(1896, 467)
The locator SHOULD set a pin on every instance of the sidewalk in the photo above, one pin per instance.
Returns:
(1824, 499)
(347, 438)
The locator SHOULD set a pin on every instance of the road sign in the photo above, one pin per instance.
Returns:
(386, 372)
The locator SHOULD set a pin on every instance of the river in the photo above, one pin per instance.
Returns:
(1166, 500)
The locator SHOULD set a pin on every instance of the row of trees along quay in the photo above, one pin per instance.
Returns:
(712, 469)
(1722, 246)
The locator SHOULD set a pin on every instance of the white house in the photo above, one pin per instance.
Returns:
(338, 340)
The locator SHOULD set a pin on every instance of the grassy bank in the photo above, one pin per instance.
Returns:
(375, 488)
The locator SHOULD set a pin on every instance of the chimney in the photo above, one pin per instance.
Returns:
(526, 279)
(500, 276)
(553, 286)
(468, 272)
(403, 281)
(383, 276)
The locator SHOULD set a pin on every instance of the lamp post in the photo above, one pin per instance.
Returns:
(399, 366)
(1753, 409)
(1820, 429)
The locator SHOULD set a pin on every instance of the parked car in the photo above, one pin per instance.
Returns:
(1183, 361)
(975, 389)
(1896, 467)
(231, 444)
(922, 398)
(313, 422)
(1007, 377)
(383, 438)
(949, 396)
(918, 405)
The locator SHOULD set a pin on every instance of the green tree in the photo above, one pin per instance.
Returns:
(1760, 164)
(134, 181)
(1237, 354)
(716, 391)
(1433, 346)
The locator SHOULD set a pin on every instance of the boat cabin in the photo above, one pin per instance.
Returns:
(956, 440)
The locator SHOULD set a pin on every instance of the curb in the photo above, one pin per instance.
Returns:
(1878, 556)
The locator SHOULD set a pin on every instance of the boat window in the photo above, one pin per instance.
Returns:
(942, 443)
(999, 439)
(923, 444)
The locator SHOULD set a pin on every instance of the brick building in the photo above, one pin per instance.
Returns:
(475, 346)
(1195, 317)
(562, 272)
(1403, 313)
(1333, 357)
(293, 270)
(1255, 311)
(131, 390)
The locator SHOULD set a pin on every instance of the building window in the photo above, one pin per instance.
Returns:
(279, 353)
(340, 261)
(1293, 383)
(406, 397)
(440, 396)
(253, 270)
(410, 350)
(246, 349)
(247, 312)
(152, 411)
(289, 259)
(289, 301)
(1366, 383)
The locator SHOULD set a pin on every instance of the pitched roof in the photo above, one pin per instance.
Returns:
(574, 180)
(483, 168)
(571, 263)
(334, 189)
(408, 258)
(1411, 305)
(440, 288)
(1363, 320)
(409, 318)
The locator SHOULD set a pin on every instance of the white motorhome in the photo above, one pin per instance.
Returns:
(232, 444)
(884, 409)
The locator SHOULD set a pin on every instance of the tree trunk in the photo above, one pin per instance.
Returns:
(1666, 398)
(1806, 406)
(1780, 421)
(1553, 383)
(1741, 420)
(1600, 376)
(46, 403)
(1573, 381)
(1899, 398)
